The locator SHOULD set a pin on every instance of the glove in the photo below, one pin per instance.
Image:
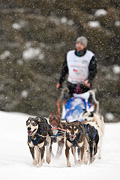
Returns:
(59, 86)
(86, 83)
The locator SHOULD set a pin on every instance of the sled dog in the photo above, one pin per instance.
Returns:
(58, 132)
(75, 138)
(96, 120)
(39, 132)
(92, 140)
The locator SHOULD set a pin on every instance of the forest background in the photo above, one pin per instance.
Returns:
(35, 36)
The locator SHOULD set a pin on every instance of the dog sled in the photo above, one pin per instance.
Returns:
(74, 107)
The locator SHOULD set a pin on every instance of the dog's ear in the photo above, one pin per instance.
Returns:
(58, 114)
(30, 118)
(37, 119)
(84, 111)
(52, 113)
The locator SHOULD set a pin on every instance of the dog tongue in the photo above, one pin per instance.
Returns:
(29, 132)
(73, 136)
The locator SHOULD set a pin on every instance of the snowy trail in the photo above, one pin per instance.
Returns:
(16, 161)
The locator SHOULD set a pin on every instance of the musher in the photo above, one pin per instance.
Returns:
(81, 67)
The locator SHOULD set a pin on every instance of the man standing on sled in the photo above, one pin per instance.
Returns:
(81, 67)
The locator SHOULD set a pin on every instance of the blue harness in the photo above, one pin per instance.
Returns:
(36, 141)
(89, 132)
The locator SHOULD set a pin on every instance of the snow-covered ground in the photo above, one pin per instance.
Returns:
(16, 161)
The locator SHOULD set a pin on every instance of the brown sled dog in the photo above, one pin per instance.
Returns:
(58, 132)
(39, 132)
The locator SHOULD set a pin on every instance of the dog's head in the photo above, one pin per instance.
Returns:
(32, 125)
(88, 116)
(54, 119)
(73, 130)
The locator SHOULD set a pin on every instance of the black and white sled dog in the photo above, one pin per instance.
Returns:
(97, 121)
(39, 132)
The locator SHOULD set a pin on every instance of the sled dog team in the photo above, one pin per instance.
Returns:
(84, 139)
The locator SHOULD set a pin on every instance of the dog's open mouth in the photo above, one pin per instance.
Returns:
(30, 133)
(72, 137)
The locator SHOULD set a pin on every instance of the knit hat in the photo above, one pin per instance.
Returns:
(82, 40)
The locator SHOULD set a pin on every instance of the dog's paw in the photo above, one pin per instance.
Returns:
(68, 164)
(80, 162)
(34, 162)
(40, 165)
(91, 161)
(86, 162)
(99, 157)
(77, 162)
(48, 160)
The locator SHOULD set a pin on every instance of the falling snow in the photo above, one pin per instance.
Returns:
(100, 12)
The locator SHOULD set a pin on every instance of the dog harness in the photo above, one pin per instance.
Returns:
(59, 132)
(89, 132)
(36, 141)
